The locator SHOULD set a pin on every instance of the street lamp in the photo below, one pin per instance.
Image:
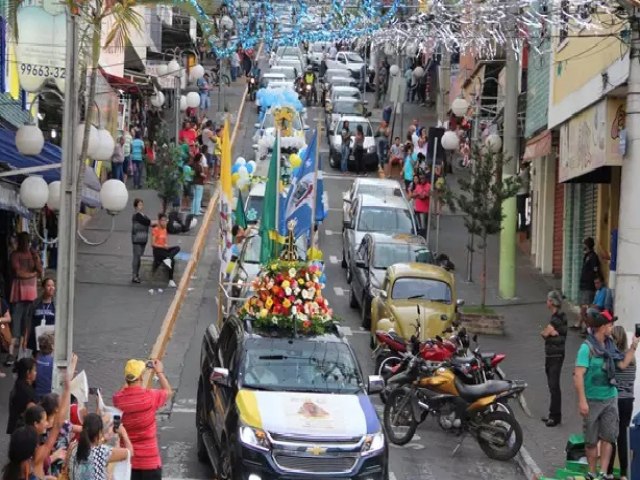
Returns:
(29, 140)
(35, 194)
(450, 141)
(193, 99)
(394, 70)
(460, 107)
(157, 99)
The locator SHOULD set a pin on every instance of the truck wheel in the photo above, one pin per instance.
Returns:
(201, 425)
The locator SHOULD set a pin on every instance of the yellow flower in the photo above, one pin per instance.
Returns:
(300, 281)
(263, 313)
(286, 303)
(285, 284)
(269, 302)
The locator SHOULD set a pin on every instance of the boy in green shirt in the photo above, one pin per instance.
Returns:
(594, 379)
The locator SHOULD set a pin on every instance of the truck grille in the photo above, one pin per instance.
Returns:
(319, 464)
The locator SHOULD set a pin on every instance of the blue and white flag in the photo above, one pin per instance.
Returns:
(303, 192)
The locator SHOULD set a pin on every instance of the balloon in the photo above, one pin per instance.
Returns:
(249, 168)
(242, 183)
(241, 161)
(242, 171)
(234, 178)
(253, 164)
(295, 160)
(235, 168)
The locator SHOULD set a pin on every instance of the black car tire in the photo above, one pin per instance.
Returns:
(228, 460)
(203, 455)
(365, 313)
(349, 275)
(332, 159)
(344, 260)
(353, 303)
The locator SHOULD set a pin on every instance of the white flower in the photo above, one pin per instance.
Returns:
(292, 272)
(296, 291)
(287, 291)
(294, 310)
(306, 295)
(274, 320)
(302, 317)
(312, 292)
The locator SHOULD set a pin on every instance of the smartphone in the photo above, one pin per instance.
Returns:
(637, 329)
(149, 364)
(116, 423)
(93, 390)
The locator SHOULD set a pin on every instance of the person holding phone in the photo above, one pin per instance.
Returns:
(555, 336)
(595, 382)
(139, 406)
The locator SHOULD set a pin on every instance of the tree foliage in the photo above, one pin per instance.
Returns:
(166, 175)
(480, 197)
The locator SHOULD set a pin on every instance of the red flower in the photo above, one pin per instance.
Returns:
(306, 324)
(279, 278)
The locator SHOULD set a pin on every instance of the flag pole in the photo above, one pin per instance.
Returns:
(315, 186)
(277, 216)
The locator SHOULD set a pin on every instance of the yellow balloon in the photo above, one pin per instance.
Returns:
(295, 160)
(234, 178)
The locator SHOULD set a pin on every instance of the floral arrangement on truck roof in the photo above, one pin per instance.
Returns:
(288, 296)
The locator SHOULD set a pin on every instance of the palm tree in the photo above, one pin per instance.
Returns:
(92, 15)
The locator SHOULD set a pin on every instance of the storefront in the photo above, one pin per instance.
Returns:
(590, 169)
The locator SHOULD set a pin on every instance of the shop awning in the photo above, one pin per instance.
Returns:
(538, 146)
(120, 83)
(11, 159)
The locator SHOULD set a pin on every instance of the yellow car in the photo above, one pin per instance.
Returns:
(407, 285)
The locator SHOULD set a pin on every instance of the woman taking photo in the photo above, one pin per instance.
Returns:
(90, 454)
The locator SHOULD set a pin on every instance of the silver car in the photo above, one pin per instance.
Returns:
(370, 214)
(377, 187)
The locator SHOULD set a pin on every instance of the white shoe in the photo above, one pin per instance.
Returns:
(167, 262)
(172, 284)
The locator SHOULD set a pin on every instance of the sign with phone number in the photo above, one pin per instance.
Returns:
(42, 70)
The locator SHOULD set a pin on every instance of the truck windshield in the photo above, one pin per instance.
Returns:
(299, 365)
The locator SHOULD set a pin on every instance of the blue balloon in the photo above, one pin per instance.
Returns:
(235, 168)
(249, 167)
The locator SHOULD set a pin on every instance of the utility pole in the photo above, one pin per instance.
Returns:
(445, 86)
(66, 276)
(507, 272)
(176, 103)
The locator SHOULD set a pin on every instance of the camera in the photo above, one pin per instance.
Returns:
(116, 423)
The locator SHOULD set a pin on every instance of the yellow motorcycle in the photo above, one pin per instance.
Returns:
(459, 408)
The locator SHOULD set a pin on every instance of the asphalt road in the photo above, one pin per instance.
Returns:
(428, 456)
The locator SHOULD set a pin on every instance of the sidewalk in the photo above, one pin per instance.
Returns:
(525, 317)
(114, 319)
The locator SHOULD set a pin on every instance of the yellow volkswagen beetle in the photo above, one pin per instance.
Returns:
(407, 285)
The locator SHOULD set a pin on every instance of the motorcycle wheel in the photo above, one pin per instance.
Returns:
(383, 364)
(499, 436)
(398, 413)
(502, 407)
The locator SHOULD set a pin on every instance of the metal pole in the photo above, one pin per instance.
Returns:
(474, 140)
(278, 150)
(445, 86)
(315, 185)
(433, 176)
(507, 272)
(66, 275)
(177, 107)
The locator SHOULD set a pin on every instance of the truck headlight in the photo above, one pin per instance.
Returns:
(254, 437)
(373, 443)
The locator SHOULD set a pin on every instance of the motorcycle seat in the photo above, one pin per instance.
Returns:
(487, 355)
(396, 337)
(471, 393)
(462, 360)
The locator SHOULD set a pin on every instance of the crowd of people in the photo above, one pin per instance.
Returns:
(95, 440)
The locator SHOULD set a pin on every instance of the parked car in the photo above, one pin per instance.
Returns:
(290, 51)
(339, 81)
(406, 285)
(344, 106)
(268, 77)
(316, 52)
(351, 60)
(377, 187)
(289, 72)
(288, 406)
(371, 214)
(344, 91)
(376, 253)
(294, 62)
(335, 141)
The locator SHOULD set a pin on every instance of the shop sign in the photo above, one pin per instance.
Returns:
(41, 46)
(591, 139)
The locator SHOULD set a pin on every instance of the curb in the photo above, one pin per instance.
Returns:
(527, 464)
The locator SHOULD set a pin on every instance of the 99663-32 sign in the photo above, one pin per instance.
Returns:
(44, 71)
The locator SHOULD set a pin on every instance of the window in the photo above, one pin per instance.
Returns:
(387, 254)
(228, 341)
(387, 220)
(353, 126)
(429, 289)
(362, 250)
(354, 58)
(379, 191)
(348, 108)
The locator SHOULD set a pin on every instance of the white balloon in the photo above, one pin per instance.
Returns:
(242, 183)
(183, 103)
(241, 161)
(196, 72)
(394, 69)
(243, 172)
(174, 68)
(193, 99)
(226, 23)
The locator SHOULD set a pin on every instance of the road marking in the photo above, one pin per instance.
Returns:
(183, 410)
(333, 259)
(361, 332)
(329, 232)
(339, 291)
(346, 331)
(392, 476)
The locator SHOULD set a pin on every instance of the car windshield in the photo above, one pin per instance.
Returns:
(348, 93)
(348, 108)
(319, 47)
(299, 366)
(353, 126)
(254, 207)
(387, 220)
(288, 51)
(354, 57)
(269, 122)
(340, 81)
(289, 73)
(379, 191)
(387, 254)
(252, 252)
(409, 288)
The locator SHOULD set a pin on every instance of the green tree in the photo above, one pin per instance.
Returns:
(166, 176)
(479, 198)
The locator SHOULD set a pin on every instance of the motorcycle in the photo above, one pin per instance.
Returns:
(459, 408)
(309, 94)
(252, 87)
